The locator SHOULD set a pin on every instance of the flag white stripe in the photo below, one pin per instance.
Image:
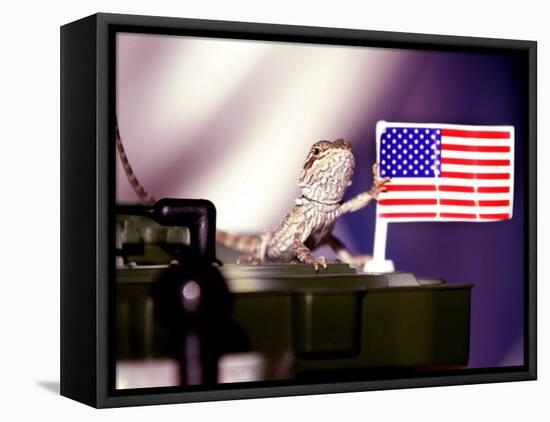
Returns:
(448, 181)
(475, 155)
(451, 140)
(474, 169)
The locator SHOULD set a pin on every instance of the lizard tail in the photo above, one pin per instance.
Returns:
(134, 182)
(243, 243)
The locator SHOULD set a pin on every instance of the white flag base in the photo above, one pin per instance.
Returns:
(379, 266)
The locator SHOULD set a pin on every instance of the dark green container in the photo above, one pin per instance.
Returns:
(302, 322)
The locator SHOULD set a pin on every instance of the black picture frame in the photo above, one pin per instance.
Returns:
(88, 193)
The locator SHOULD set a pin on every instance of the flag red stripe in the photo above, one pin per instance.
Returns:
(481, 176)
(494, 216)
(458, 202)
(484, 134)
(451, 188)
(407, 202)
(494, 203)
(456, 215)
(474, 148)
(493, 189)
(447, 188)
(470, 162)
(408, 214)
(397, 188)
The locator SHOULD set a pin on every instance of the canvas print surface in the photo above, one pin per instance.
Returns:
(292, 213)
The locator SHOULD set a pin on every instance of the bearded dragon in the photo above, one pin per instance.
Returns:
(325, 176)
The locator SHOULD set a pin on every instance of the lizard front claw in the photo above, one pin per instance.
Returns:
(316, 261)
(378, 184)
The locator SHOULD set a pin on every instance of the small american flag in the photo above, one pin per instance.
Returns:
(443, 172)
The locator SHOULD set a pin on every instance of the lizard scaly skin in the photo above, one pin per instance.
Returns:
(326, 175)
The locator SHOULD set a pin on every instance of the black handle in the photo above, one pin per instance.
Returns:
(198, 215)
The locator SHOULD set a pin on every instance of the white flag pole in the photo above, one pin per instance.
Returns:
(379, 263)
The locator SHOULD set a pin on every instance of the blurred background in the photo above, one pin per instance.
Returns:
(232, 121)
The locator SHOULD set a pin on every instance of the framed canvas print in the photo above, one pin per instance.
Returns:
(253, 210)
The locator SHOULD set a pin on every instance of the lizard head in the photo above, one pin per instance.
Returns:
(327, 171)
